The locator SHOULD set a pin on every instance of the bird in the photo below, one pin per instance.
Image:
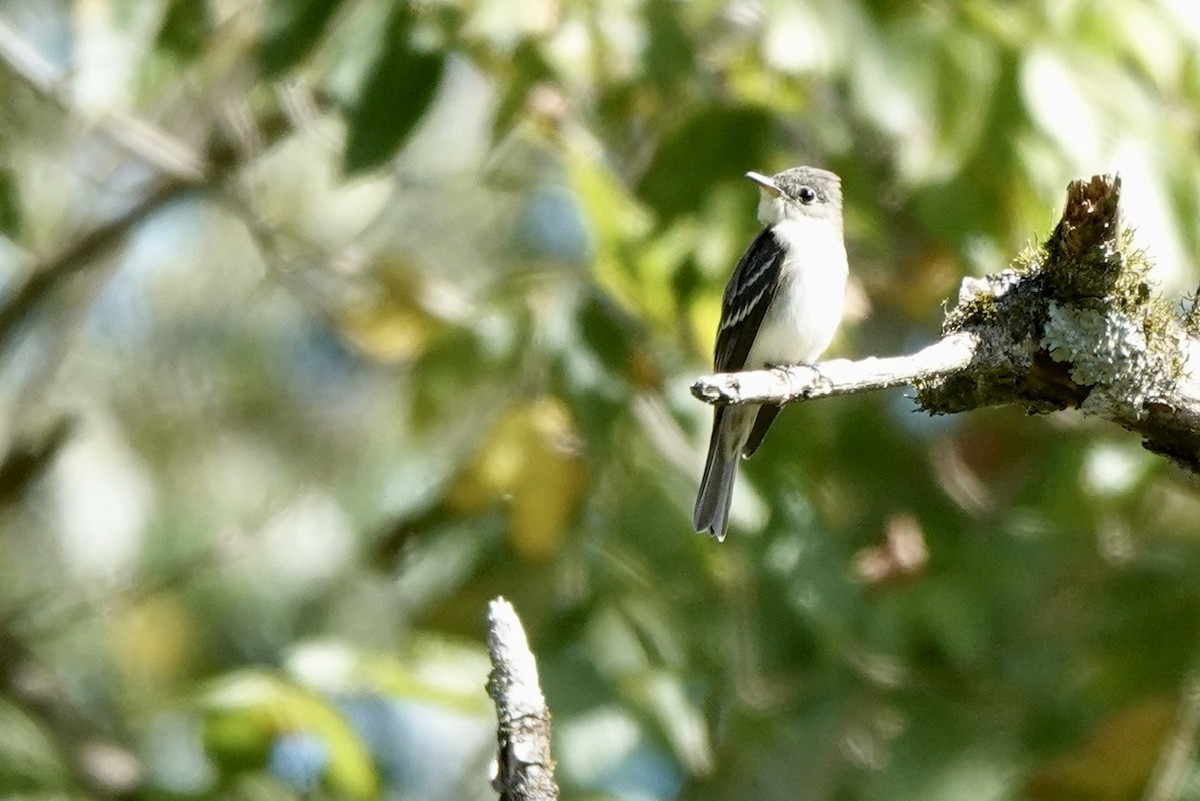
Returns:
(782, 306)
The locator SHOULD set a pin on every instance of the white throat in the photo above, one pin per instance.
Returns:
(772, 208)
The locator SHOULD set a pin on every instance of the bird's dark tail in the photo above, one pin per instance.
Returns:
(716, 487)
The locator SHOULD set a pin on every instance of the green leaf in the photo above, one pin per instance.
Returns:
(29, 759)
(526, 69)
(607, 331)
(444, 373)
(716, 144)
(293, 29)
(10, 205)
(669, 53)
(185, 28)
(246, 712)
(394, 98)
(679, 716)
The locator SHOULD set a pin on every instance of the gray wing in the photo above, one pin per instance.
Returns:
(747, 296)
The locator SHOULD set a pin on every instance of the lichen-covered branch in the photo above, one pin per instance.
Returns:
(525, 771)
(1072, 325)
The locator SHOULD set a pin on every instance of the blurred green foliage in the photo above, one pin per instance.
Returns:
(432, 343)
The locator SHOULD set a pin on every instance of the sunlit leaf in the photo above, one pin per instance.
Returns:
(548, 489)
(530, 459)
(967, 69)
(633, 271)
(29, 759)
(1055, 95)
(431, 668)
(680, 718)
(249, 714)
(152, 640)
(390, 324)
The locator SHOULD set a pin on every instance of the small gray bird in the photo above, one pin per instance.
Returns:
(782, 306)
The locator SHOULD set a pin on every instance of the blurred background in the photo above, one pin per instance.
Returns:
(323, 323)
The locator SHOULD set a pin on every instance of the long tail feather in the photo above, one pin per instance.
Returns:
(720, 470)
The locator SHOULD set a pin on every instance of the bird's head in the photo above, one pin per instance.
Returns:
(798, 193)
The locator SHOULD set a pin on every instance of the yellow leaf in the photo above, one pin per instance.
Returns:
(532, 459)
(151, 641)
(549, 485)
(387, 330)
(493, 472)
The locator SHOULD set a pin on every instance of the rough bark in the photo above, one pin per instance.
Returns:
(525, 771)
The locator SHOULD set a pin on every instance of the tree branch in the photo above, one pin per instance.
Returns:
(85, 251)
(179, 169)
(525, 771)
(838, 377)
(167, 154)
(1072, 325)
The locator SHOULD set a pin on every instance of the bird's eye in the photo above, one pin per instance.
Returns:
(806, 195)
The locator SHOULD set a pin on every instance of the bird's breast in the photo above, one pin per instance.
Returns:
(807, 307)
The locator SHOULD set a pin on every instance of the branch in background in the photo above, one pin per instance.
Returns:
(179, 169)
(179, 166)
(1072, 326)
(89, 249)
(525, 771)
(156, 148)
(29, 456)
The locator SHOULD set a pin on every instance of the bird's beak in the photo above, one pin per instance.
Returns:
(764, 182)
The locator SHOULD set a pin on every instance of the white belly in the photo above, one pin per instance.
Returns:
(807, 307)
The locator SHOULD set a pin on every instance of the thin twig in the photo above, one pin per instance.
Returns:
(153, 146)
(181, 169)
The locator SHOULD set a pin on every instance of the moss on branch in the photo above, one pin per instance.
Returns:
(1075, 324)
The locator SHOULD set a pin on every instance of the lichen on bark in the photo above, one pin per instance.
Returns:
(1076, 323)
